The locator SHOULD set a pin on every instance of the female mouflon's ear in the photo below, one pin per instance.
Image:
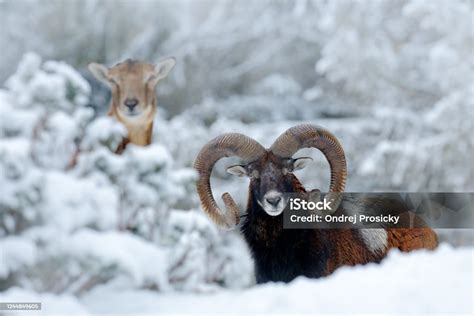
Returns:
(163, 67)
(300, 163)
(100, 72)
(237, 170)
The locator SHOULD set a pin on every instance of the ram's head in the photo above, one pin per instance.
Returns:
(270, 170)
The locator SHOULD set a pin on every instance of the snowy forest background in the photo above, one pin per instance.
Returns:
(392, 79)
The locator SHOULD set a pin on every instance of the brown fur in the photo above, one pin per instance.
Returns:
(408, 239)
(326, 249)
(129, 76)
(133, 100)
(417, 237)
(348, 250)
(139, 134)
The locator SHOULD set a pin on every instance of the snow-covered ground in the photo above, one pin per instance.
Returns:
(422, 282)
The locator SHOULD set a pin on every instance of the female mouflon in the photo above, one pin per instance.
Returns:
(133, 100)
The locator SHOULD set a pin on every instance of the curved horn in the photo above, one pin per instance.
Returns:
(307, 135)
(227, 145)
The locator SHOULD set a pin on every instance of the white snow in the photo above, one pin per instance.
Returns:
(104, 130)
(52, 304)
(421, 282)
(82, 203)
(16, 253)
(135, 258)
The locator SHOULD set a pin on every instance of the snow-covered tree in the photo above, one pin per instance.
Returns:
(74, 215)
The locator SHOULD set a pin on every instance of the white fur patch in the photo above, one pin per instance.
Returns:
(270, 209)
(138, 119)
(375, 239)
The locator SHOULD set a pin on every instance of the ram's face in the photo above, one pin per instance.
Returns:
(271, 179)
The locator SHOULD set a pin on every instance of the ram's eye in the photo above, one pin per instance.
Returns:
(288, 165)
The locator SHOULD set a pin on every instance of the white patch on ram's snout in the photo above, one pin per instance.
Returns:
(376, 239)
(270, 209)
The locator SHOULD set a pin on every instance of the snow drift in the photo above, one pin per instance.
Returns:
(421, 282)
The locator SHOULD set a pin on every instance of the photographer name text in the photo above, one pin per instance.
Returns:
(298, 204)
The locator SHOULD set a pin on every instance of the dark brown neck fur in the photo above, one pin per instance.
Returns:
(283, 254)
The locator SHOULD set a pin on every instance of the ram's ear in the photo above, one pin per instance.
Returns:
(100, 72)
(237, 170)
(300, 163)
(163, 68)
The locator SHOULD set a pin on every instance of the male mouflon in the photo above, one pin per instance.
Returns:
(283, 254)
